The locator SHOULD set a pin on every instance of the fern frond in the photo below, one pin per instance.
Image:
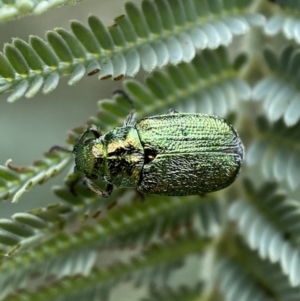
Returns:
(276, 148)
(286, 21)
(209, 84)
(163, 259)
(269, 224)
(17, 180)
(134, 40)
(245, 276)
(280, 90)
(25, 230)
(134, 225)
(14, 9)
(236, 284)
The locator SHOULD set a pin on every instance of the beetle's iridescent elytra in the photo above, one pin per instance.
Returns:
(173, 154)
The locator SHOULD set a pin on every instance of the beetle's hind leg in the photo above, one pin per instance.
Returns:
(90, 185)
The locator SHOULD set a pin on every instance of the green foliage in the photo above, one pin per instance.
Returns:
(280, 91)
(11, 9)
(134, 41)
(276, 152)
(241, 243)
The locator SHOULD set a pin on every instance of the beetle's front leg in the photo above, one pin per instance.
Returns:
(90, 185)
(59, 148)
(91, 129)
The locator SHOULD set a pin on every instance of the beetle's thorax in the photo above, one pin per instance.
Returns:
(124, 156)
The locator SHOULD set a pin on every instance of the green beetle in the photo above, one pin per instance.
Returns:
(173, 154)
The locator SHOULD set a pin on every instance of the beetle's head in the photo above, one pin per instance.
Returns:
(89, 158)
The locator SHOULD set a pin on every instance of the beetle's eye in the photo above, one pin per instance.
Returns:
(92, 176)
(150, 155)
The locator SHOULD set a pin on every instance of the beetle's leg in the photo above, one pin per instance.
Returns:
(130, 118)
(172, 111)
(59, 148)
(91, 129)
(90, 185)
(109, 190)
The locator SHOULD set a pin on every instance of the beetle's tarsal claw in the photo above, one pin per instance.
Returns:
(92, 128)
